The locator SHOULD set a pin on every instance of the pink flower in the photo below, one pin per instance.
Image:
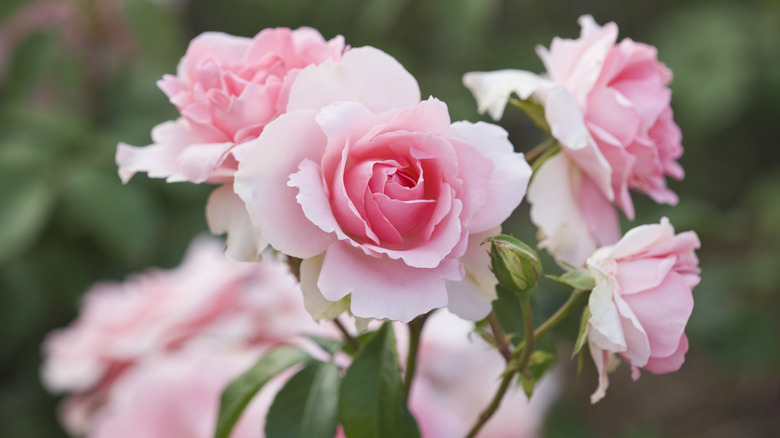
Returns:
(227, 89)
(457, 376)
(381, 195)
(642, 300)
(177, 395)
(208, 300)
(607, 104)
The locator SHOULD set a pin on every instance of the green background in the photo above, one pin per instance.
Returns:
(77, 77)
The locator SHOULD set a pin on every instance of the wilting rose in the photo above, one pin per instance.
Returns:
(227, 88)
(607, 104)
(380, 193)
(642, 300)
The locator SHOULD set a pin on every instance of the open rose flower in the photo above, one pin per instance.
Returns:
(208, 300)
(381, 195)
(642, 300)
(227, 88)
(607, 104)
(177, 395)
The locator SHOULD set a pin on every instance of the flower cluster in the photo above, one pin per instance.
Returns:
(150, 357)
(381, 203)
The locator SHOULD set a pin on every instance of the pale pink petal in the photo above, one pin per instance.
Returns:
(471, 297)
(261, 182)
(671, 363)
(381, 287)
(663, 313)
(493, 89)
(577, 63)
(226, 213)
(642, 238)
(555, 210)
(317, 305)
(600, 358)
(366, 75)
(605, 325)
(199, 161)
(158, 160)
(598, 213)
(568, 127)
(509, 179)
(642, 274)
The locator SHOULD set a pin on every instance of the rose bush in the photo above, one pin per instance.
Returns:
(379, 193)
(642, 300)
(607, 104)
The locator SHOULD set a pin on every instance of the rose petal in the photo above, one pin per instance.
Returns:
(262, 183)
(381, 287)
(226, 213)
(492, 89)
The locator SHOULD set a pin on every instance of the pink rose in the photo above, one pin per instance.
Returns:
(227, 89)
(642, 300)
(207, 300)
(457, 376)
(607, 104)
(381, 195)
(177, 395)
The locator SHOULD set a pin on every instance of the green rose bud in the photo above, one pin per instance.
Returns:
(515, 264)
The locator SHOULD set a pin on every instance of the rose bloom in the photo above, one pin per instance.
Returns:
(642, 300)
(607, 104)
(382, 196)
(177, 395)
(457, 376)
(227, 88)
(208, 299)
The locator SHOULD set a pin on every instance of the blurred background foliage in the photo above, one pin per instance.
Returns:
(78, 76)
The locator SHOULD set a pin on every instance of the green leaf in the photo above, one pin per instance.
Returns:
(306, 406)
(541, 361)
(582, 336)
(578, 279)
(508, 313)
(371, 403)
(331, 346)
(240, 391)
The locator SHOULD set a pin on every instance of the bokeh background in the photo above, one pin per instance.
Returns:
(78, 76)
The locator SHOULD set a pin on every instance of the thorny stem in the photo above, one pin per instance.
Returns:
(415, 330)
(499, 336)
(521, 355)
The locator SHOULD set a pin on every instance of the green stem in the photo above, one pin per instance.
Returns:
(529, 334)
(522, 354)
(538, 150)
(347, 336)
(491, 408)
(415, 331)
(499, 336)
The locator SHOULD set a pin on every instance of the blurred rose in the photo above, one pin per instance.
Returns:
(642, 300)
(458, 374)
(177, 395)
(379, 192)
(607, 105)
(207, 300)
